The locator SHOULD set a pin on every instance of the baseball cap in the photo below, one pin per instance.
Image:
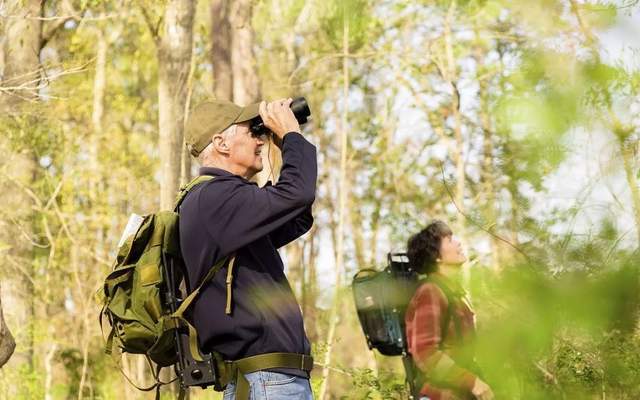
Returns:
(212, 117)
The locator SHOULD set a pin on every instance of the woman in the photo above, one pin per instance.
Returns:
(439, 319)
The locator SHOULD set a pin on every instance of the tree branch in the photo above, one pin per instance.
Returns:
(154, 29)
(467, 217)
(60, 21)
(38, 83)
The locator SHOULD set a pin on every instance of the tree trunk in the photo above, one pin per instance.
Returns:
(344, 141)
(452, 77)
(627, 150)
(7, 343)
(48, 371)
(487, 178)
(295, 252)
(174, 56)
(357, 221)
(21, 49)
(175, 51)
(309, 287)
(487, 174)
(246, 86)
(23, 38)
(96, 183)
(221, 50)
(185, 171)
(375, 228)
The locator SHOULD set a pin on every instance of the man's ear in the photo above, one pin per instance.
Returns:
(220, 144)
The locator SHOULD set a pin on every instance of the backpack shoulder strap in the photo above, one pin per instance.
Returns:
(451, 301)
(179, 313)
(184, 190)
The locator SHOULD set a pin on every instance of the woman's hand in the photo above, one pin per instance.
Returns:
(481, 390)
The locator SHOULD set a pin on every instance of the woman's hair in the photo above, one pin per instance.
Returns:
(423, 248)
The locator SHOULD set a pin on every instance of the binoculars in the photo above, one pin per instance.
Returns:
(300, 110)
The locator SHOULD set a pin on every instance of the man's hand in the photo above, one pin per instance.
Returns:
(278, 117)
(481, 390)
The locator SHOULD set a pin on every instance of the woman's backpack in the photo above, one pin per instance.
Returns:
(381, 299)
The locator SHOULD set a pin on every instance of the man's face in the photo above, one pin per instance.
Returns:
(245, 150)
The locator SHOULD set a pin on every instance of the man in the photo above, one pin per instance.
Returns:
(249, 309)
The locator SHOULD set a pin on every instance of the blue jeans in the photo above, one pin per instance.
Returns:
(266, 385)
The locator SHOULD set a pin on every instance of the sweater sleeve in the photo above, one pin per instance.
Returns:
(237, 212)
(292, 229)
(424, 321)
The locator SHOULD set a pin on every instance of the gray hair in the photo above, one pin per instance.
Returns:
(207, 152)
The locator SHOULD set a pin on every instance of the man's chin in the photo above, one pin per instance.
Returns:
(255, 169)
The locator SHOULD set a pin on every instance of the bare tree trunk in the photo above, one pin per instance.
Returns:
(22, 45)
(235, 75)
(309, 288)
(375, 228)
(221, 50)
(344, 141)
(514, 214)
(175, 52)
(356, 222)
(48, 371)
(7, 343)
(487, 178)
(23, 37)
(458, 155)
(487, 174)
(452, 77)
(294, 265)
(129, 390)
(246, 86)
(174, 56)
(95, 184)
(185, 171)
(97, 114)
(627, 150)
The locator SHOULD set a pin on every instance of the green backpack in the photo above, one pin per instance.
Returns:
(134, 303)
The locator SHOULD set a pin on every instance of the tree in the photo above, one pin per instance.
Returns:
(174, 48)
(246, 85)
(7, 343)
(235, 76)
(22, 45)
(221, 50)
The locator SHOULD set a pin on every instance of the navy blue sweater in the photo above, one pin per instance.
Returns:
(231, 214)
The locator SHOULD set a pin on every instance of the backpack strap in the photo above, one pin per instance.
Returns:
(229, 282)
(452, 298)
(415, 377)
(179, 313)
(184, 189)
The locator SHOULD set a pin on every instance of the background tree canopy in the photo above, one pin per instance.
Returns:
(516, 121)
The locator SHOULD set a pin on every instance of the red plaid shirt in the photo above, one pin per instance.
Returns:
(438, 360)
